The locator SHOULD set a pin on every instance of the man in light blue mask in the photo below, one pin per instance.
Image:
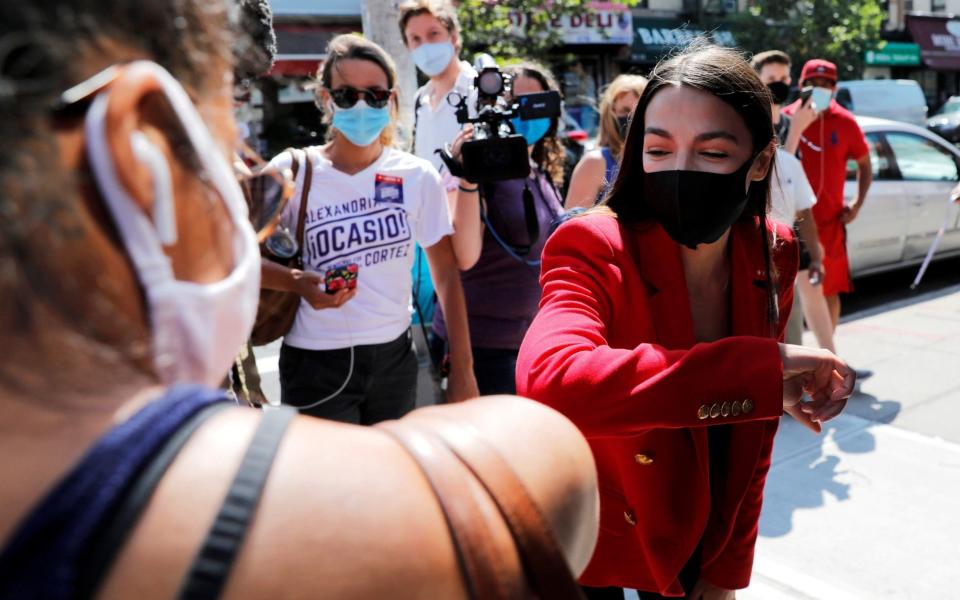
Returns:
(431, 32)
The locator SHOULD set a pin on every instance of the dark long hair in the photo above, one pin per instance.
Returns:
(725, 74)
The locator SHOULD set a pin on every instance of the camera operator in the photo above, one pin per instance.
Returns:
(501, 228)
(349, 354)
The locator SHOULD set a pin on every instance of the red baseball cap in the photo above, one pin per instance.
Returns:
(818, 67)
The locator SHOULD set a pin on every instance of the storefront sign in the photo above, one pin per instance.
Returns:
(301, 47)
(894, 54)
(939, 40)
(591, 27)
(657, 37)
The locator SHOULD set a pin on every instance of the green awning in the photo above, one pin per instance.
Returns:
(655, 38)
(894, 54)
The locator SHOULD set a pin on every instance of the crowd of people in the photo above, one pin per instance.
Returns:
(646, 314)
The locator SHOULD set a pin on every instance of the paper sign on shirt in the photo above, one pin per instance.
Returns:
(387, 188)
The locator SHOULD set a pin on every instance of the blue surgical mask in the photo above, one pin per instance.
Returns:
(531, 130)
(432, 59)
(820, 97)
(361, 124)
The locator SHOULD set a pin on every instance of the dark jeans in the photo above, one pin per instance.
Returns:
(383, 384)
(494, 368)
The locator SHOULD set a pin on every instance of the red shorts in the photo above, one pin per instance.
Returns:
(833, 237)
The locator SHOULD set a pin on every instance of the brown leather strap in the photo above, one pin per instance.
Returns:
(448, 454)
(548, 573)
(484, 570)
(304, 197)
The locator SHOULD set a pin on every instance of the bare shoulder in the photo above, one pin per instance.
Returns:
(346, 512)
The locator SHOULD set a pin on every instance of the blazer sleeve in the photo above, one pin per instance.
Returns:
(566, 361)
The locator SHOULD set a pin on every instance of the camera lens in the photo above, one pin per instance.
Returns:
(490, 82)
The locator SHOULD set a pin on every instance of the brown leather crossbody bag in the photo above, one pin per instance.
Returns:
(278, 309)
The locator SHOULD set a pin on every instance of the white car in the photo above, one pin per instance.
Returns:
(914, 172)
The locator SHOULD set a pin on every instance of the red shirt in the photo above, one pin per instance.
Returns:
(825, 147)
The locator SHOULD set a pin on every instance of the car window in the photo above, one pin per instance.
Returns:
(878, 159)
(920, 159)
(951, 105)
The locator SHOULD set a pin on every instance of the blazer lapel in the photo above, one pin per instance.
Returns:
(658, 261)
(749, 281)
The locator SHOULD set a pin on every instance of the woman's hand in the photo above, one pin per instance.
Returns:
(826, 378)
(465, 135)
(456, 149)
(310, 286)
(705, 590)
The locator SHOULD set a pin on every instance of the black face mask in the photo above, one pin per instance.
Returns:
(696, 207)
(623, 124)
(779, 90)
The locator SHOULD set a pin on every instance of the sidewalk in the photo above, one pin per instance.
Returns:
(871, 508)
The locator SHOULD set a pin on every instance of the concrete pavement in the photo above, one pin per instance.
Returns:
(871, 508)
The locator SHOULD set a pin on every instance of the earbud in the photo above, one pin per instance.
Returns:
(164, 219)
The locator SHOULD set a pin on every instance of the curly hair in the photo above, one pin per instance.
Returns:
(548, 153)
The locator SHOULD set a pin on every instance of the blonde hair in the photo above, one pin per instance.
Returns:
(441, 10)
(351, 46)
(609, 130)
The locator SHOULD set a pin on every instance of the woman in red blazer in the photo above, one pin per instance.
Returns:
(658, 336)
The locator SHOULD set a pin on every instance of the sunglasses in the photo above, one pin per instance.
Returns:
(347, 97)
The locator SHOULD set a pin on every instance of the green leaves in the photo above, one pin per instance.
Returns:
(838, 30)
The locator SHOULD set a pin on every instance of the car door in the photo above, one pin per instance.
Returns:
(876, 238)
(929, 172)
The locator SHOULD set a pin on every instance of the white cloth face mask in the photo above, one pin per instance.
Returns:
(197, 329)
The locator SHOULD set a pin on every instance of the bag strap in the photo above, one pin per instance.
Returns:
(480, 565)
(304, 198)
(546, 567)
(210, 569)
(442, 455)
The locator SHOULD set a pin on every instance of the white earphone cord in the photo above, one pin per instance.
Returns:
(346, 380)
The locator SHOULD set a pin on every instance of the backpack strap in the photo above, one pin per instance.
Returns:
(416, 121)
(210, 569)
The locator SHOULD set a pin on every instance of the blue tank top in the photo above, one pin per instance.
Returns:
(610, 174)
(44, 557)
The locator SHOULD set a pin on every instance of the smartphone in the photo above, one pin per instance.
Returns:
(341, 277)
(805, 94)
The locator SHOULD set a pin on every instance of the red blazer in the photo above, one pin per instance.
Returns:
(613, 349)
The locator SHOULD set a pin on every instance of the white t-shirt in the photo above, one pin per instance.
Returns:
(438, 126)
(371, 219)
(790, 190)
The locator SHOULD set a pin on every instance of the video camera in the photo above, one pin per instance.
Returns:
(496, 152)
